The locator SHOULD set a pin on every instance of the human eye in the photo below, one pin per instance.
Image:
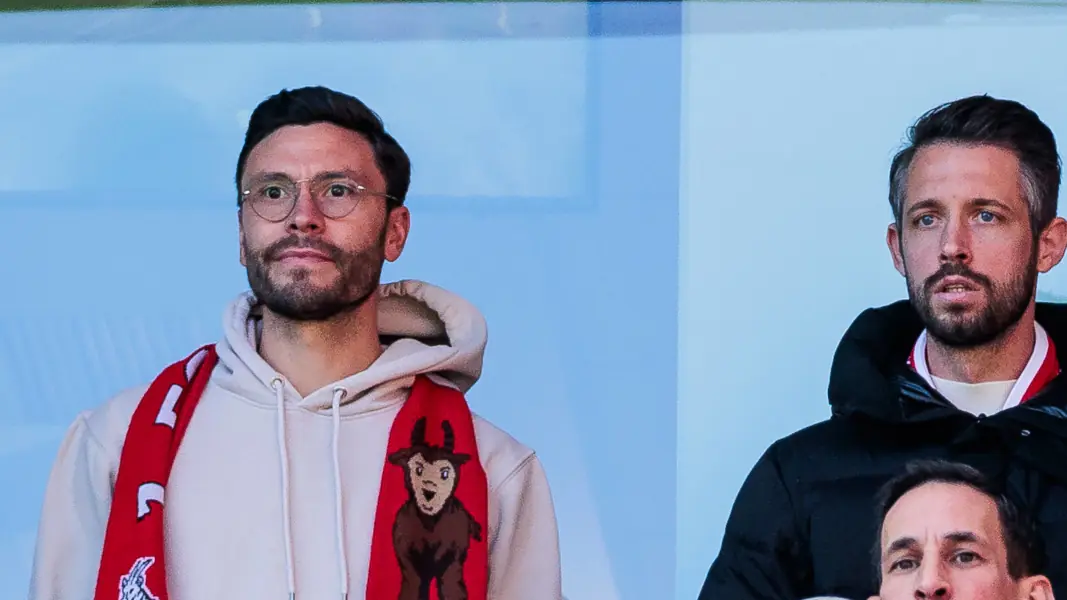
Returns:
(903, 564)
(966, 557)
(272, 192)
(988, 216)
(925, 220)
(340, 189)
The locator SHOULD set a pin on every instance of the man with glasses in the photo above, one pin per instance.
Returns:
(323, 447)
(968, 368)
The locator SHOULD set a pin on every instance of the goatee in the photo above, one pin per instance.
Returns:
(299, 299)
(1006, 303)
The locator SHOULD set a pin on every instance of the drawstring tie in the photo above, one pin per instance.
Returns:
(278, 385)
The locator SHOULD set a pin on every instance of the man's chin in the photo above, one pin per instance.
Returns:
(305, 311)
(307, 303)
(961, 332)
(311, 304)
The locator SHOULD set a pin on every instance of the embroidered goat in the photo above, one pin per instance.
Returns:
(133, 585)
(433, 530)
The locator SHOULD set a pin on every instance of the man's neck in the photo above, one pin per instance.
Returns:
(314, 354)
(1000, 360)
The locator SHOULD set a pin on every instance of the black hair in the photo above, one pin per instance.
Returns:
(1025, 549)
(308, 105)
(984, 120)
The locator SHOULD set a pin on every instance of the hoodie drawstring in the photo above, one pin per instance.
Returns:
(338, 395)
(283, 457)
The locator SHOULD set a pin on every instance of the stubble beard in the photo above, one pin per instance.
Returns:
(298, 299)
(1006, 303)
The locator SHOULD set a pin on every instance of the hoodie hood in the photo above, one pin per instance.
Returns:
(423, 330)
(870, 377)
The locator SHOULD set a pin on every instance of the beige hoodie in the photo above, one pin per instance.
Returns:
(229, 536)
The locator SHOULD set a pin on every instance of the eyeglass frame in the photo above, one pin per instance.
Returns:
(328, 178)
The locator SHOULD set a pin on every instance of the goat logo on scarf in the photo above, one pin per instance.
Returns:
(433, 530)
(132, 585)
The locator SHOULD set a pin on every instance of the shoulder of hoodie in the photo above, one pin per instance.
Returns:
(106, 424)
(502, 455)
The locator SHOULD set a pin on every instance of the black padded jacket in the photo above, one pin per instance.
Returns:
(803, 523)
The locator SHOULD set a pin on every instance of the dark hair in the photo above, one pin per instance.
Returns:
(984, 120)
(1025, 550)
(308, 105)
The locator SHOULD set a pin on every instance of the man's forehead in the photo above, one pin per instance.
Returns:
(953, 172)
(962, 157)
(344, 172)
(316, 147)
(943, 511)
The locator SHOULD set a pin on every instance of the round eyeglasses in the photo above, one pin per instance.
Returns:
(273, 197)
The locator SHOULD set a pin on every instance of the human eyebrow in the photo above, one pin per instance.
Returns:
(268, 177)
(990, 203)
(962, 537)
(338, 175)
(351, 176)
(899, 544)
(924, 205)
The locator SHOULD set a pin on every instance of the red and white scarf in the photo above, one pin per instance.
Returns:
(430, 535)
(1039, 371)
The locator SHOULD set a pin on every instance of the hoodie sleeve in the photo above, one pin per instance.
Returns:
(524, 550)
(70, 535)
(763, 554)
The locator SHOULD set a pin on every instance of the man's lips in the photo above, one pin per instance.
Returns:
(957, 290)
(302, 255)
(956, 284)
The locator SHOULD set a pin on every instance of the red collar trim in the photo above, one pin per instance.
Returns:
(1040, 370)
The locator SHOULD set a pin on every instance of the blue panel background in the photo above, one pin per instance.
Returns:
(546, 149)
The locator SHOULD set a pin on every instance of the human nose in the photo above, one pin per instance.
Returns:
(932, 583)
(306, 216)
(956, 243)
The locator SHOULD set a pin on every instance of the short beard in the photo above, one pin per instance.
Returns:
(1006, 305)
(360, 277)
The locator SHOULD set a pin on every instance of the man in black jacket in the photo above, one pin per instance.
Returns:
(966, 369)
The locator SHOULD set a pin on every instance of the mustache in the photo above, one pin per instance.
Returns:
(293, 242)
(955, 270)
